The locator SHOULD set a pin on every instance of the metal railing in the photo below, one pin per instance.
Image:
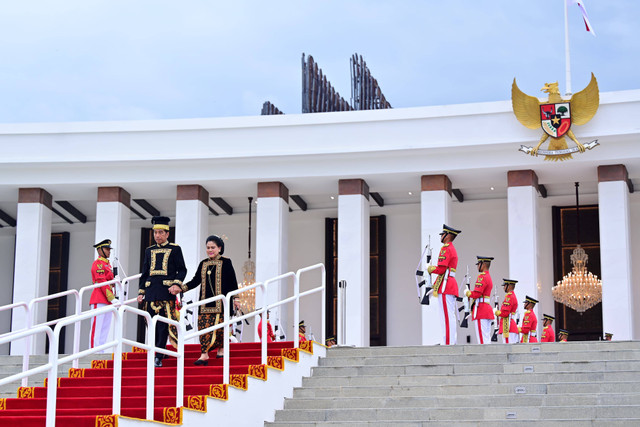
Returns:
(119, 311)
(25, 360)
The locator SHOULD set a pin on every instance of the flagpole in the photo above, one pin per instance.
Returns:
(566, 49)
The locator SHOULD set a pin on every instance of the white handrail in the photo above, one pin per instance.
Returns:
(322, 288)
(6, 338)
(54, 361)
(119, 311)
(25, 356)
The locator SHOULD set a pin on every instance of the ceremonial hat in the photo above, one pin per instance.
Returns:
(509, 282)
(608, 335)
(447, 229)
(160, 223)
(106, 243)
(329, 339)
(531, 300)
(484, 259)
(301, 324)
(548, 317)
(563, 332)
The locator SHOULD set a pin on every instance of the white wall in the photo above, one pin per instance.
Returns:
(634, 206)
(7, 246)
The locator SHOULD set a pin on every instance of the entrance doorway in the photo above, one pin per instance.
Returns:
(377, 278)
(588, 325)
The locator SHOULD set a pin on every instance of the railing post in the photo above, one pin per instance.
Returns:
(77, 330)
(27, 353)
(181, 330)
(226, 361)
(117, 362)
(151, 334)
(296, 309)
(52, 382)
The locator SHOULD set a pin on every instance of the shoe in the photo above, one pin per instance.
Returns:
(201, 362)
(219, 356)
(157, 362)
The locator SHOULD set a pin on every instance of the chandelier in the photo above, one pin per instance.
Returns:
(248, 298)
(580, 289)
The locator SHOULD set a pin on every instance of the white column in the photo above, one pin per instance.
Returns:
(272, 241)
(353, 257)
(112, 222)
(31, 272)
(192, 229)
(435, 207)
(615, 252)
(522, 211)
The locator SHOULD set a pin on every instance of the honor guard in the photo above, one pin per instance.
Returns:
(482, 313)
(547, 333)
(508, 328)
(163, 272)
(302, 330)
(563, 335)
(101, 272)
(529, 327)
(446, 285)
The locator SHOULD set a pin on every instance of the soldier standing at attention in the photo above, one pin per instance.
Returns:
(446, 285)
(163, 272)
(529, 328)
(482, 313)
(508, 328)
(547, 333)
(101, 272)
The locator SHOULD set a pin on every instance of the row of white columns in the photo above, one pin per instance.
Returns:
(113, 216)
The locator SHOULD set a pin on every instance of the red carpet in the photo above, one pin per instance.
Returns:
(85, 398)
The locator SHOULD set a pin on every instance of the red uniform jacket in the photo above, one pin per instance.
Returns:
(447, 261)
(482, 308)
(548, 335)
(509, 308)
(270, 335)
(529, 324)
(101, 272)
(302, 337)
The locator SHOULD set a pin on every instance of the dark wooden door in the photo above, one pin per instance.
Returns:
(58, 281)
(585, 326)
(377, 278)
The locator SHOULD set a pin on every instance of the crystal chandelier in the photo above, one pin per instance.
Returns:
(248, 298)
(580, 289)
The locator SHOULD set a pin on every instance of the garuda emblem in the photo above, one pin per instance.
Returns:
(555, 116)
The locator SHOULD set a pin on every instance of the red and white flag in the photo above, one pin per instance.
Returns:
(585, 17)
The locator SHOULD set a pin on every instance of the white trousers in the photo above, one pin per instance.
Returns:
(483, 330)
(448, 320)
(511, 339)
(100, 326)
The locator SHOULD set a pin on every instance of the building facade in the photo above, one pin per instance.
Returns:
(454, 164)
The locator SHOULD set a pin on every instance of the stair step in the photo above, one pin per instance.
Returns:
(458, 414)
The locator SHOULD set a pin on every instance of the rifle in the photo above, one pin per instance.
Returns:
(496, 324)
(424, 300)
(465, 301)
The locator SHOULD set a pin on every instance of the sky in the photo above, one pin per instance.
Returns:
(95, 60)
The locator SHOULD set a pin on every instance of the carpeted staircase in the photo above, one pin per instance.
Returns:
(572, 384)
(85, 396)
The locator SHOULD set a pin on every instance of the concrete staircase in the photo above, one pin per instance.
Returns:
(10, 365)
(575, 384)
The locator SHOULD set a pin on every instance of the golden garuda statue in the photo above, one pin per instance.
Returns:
(556, 116)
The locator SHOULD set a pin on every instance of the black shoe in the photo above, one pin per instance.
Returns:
(201, 362)
(157, 362)
(219, 356)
